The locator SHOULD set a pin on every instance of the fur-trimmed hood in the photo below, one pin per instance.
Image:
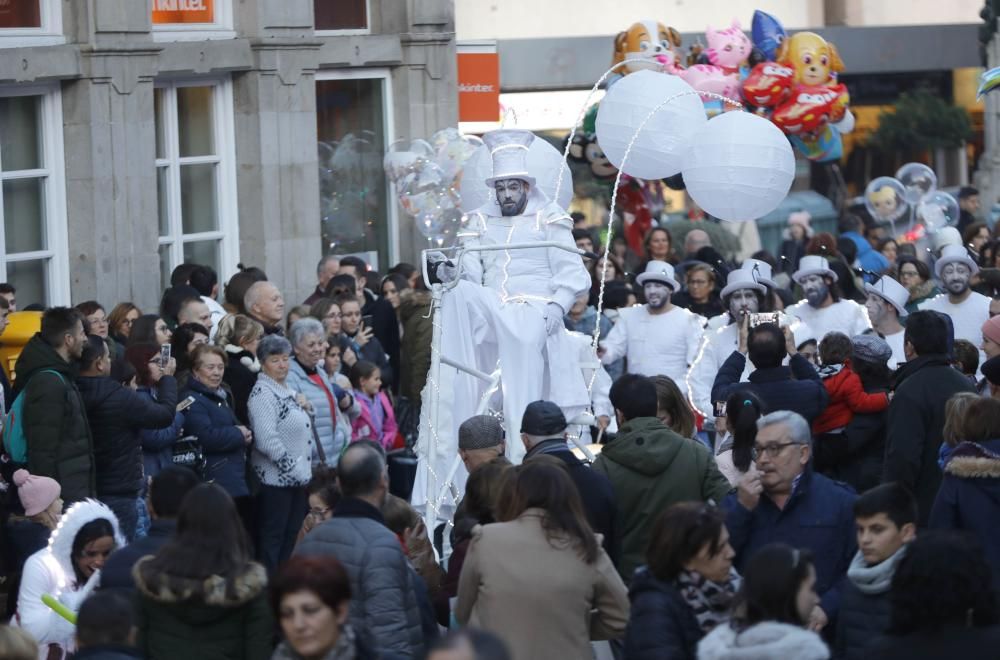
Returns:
(768, 640)
(215, 591)
(78, 515)
(973, 460)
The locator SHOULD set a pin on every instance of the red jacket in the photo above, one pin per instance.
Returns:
(847, 397)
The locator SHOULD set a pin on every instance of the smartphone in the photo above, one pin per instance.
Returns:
(720, 408)
(183, 405)
(760, 319)
(164, 355)
(367, 320)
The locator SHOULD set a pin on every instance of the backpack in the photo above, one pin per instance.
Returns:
(15, 445)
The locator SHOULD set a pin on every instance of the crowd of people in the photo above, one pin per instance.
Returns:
(799, 458)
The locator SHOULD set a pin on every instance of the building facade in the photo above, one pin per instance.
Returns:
(136, 135)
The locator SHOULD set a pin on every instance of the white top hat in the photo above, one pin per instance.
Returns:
(742, 279)
(659, 271)
(946, 236)
(509, 150)
(892, 291)
(951, 254)
(761, 272)
(813, 264)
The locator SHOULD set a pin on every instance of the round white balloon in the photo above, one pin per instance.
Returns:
(739, 167)
(659, 148)
(544, 163)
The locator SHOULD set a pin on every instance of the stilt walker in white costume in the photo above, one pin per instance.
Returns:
(507, 307)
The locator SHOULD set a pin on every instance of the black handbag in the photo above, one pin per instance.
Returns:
(187, 452)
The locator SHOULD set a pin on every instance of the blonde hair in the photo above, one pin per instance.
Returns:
(954, 415)
(16, 644)
(237, 328)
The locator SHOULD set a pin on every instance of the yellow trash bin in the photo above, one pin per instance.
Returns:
(22, 327)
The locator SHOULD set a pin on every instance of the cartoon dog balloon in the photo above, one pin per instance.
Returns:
(647, 45)
(808, 102)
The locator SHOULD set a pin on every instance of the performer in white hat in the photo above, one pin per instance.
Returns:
(742, 295)
(822, 309)
(508, 307)
(968, 310)
(760, 272)
(886, 304)
(657, 338)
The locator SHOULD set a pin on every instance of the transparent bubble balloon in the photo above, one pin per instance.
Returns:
(885, 199)
(918, 180)
(937, 211)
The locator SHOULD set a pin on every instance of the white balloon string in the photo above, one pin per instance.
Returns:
(614, 202)
(506, 113)
(579, 120)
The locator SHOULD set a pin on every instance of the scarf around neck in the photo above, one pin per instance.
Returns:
(874, 580)
(710, 601)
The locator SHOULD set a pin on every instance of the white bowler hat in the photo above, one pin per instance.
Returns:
(741, 279)
(813, 264)
(659, 271)
(761, 272)
(509, 150)
(954, 254)
(946, 236)
(892, 291)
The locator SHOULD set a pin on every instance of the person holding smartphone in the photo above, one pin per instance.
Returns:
(117, 416)
(364, 342)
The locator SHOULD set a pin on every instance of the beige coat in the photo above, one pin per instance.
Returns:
(545, 602)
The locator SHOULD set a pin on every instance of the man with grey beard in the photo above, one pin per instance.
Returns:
(823, 310)
(657, 338)
(968, 310)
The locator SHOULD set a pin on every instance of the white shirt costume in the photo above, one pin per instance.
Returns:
(655, 344)
(717, 346)
(844, 316)
(895, 342)
(968, 316)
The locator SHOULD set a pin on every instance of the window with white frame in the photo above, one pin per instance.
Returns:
(30, 23)
(341, 16)
(179, 20)
(195, 175)
(33, 250)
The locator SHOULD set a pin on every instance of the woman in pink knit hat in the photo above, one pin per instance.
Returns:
(796, 236)
(29, 533)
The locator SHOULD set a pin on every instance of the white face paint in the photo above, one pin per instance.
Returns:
(512, 195)
(742, 302)
(815, 288)
(955, 277)
(657, 294)
(877, 308)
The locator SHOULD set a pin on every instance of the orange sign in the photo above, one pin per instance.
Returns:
(183, 11)
(478, 83)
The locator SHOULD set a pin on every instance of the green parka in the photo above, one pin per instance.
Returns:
(651, 468)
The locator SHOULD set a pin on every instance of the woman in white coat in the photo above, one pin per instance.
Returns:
(68, 570)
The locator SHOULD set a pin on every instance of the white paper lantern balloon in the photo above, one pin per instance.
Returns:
(739, 167)
(544, 163)
(658, 150)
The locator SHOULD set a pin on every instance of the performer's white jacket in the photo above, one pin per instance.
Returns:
(717, 346)
(844, 316)
(495, 316)
(967, 317)
(655, 344)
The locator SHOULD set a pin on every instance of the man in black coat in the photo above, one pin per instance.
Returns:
(796, 387)
(116, 415)
(916, 414)
(166, 492)
(543, 431)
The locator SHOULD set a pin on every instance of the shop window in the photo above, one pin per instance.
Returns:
(30, 23)
(192, 19)
(341, 15)
(353, 119)
(33, 252)
(195, 176)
